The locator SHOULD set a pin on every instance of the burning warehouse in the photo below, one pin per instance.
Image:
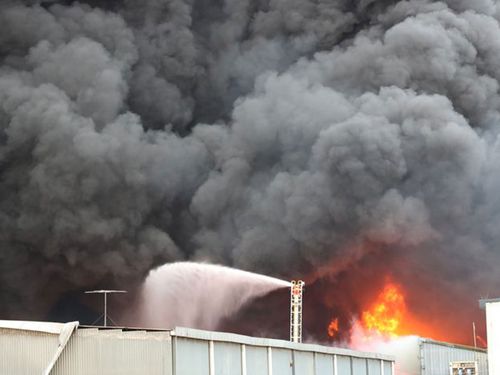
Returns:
(53, 348)
(352, 144)
(419, 356)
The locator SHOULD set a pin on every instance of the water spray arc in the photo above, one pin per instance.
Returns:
(296, 292)
(188, 294)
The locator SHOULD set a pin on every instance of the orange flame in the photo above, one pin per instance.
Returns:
(388, 317)
(333, 328)
(384, 317)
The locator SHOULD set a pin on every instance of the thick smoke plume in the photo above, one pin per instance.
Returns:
(332, 138)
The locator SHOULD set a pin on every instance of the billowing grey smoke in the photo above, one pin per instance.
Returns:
(277, 136)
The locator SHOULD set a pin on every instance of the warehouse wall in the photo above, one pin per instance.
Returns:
(436, 357)
(493, 328)
(25, 352)
(93, 351)
(420, 356)
(203, 353)
(28, 350)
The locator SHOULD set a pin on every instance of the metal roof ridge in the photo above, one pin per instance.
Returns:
(451, 344)
(54, 328)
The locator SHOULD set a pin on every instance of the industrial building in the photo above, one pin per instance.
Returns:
(29, 348)
(421, 356)
(492, 307)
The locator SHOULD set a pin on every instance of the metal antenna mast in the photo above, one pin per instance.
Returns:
(296, 311)
(105, 293)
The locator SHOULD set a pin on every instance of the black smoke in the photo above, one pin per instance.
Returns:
(293, 138)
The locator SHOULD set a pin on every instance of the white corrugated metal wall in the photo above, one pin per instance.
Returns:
(93, 351)
(214, 353)
(25, 352)
(436, 357)
(113, 351)
(493, 328)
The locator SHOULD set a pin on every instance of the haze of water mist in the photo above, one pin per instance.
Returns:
(196, 295)
(395, 346)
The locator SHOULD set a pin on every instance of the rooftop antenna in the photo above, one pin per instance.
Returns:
(296, 291)
(105, 294)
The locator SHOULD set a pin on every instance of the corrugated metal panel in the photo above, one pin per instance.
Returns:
(227, 358)
(26, 352)
(303, 363)
(493, 329)
(191, 356)
(270, 357)
(324, 363)
(344, 365)
(359, 366)
(39, 343)
(93, 351)
(256, 341)
(194, 356)
(436, 357)
(419, 356)
(387, 368)
(256, 360)
(374, 367)
(282, 362)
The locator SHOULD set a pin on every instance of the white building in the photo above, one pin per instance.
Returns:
(420, 356)
(28, 348)
(493, 331)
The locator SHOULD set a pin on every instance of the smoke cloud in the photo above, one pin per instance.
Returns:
(293, 138)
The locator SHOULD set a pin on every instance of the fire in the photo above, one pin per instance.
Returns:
(387, 317)
(333, 327)
(384, 317)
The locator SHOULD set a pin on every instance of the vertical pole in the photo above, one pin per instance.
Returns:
(243, 360)
(296, 311)
(105, 309)
(211, 358)
(474, 333)
(269, 361)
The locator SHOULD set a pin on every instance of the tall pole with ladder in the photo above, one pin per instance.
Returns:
(296, 291)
